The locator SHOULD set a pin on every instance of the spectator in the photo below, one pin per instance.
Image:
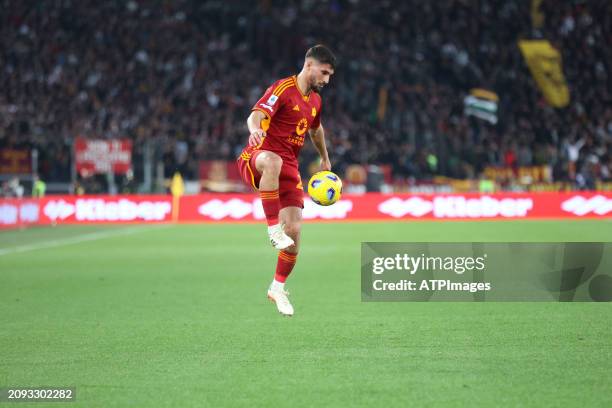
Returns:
(185, 74)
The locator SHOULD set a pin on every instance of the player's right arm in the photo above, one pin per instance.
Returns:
(264, 109)
(254, 124)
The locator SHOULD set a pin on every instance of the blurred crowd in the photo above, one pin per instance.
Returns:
(184, 74)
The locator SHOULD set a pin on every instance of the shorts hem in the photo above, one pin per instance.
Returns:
(292, 203)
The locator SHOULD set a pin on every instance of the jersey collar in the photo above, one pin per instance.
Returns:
(304, 97)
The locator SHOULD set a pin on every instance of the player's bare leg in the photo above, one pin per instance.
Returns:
(291, 218)
(269, 165)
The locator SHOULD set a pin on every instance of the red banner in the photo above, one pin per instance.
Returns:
(247, 207)
(411, 207)
(103, 156)
(16, 213)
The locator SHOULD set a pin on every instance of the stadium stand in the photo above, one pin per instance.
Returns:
(184, 74)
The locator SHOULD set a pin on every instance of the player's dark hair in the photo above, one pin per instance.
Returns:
(322, 54)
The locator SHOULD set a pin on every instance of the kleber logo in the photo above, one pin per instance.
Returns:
(217, 209)
(92, 209)
(580, 206)
(396, 207)
(58, 210)
(457, 207)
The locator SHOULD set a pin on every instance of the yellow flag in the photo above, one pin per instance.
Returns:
(177, 187)
(544, 62)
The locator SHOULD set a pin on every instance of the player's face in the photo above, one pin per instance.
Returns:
(319, 75)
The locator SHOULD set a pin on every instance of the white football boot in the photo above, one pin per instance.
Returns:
(278, 238)
(282, 301)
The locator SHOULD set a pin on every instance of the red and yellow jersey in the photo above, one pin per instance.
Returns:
(289, 115)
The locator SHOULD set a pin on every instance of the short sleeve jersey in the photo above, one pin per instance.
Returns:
(289, 115)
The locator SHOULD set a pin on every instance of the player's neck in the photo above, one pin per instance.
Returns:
(302, 83)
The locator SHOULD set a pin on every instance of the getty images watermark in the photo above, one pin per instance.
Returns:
(413, 264)
(577, 271)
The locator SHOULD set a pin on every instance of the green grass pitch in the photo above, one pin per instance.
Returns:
(177, 316)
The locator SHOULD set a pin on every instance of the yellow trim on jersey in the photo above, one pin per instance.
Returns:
(285, 83)
(283, 89)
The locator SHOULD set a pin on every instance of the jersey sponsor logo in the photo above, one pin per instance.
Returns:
(272, 100)
(268, 107)
(296, 108)
(314, 112)
(301, 127)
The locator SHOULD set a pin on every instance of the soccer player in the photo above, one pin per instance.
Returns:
(278, 124)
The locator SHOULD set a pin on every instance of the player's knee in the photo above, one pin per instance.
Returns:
(293, 229)
(272, 163)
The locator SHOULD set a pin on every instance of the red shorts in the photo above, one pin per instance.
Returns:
(290, 189)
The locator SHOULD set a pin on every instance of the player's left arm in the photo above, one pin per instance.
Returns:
(318, 139)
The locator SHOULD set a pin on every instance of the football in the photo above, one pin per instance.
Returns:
(325, 188)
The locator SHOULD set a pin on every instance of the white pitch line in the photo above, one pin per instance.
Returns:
(75, 240)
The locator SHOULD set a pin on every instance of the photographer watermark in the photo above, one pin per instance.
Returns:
(576, 271)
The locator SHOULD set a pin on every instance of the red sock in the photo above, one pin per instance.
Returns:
(271, 205)
(284, 266)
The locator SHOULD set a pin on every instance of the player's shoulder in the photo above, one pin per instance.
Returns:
(280, 86)
(282, 81)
